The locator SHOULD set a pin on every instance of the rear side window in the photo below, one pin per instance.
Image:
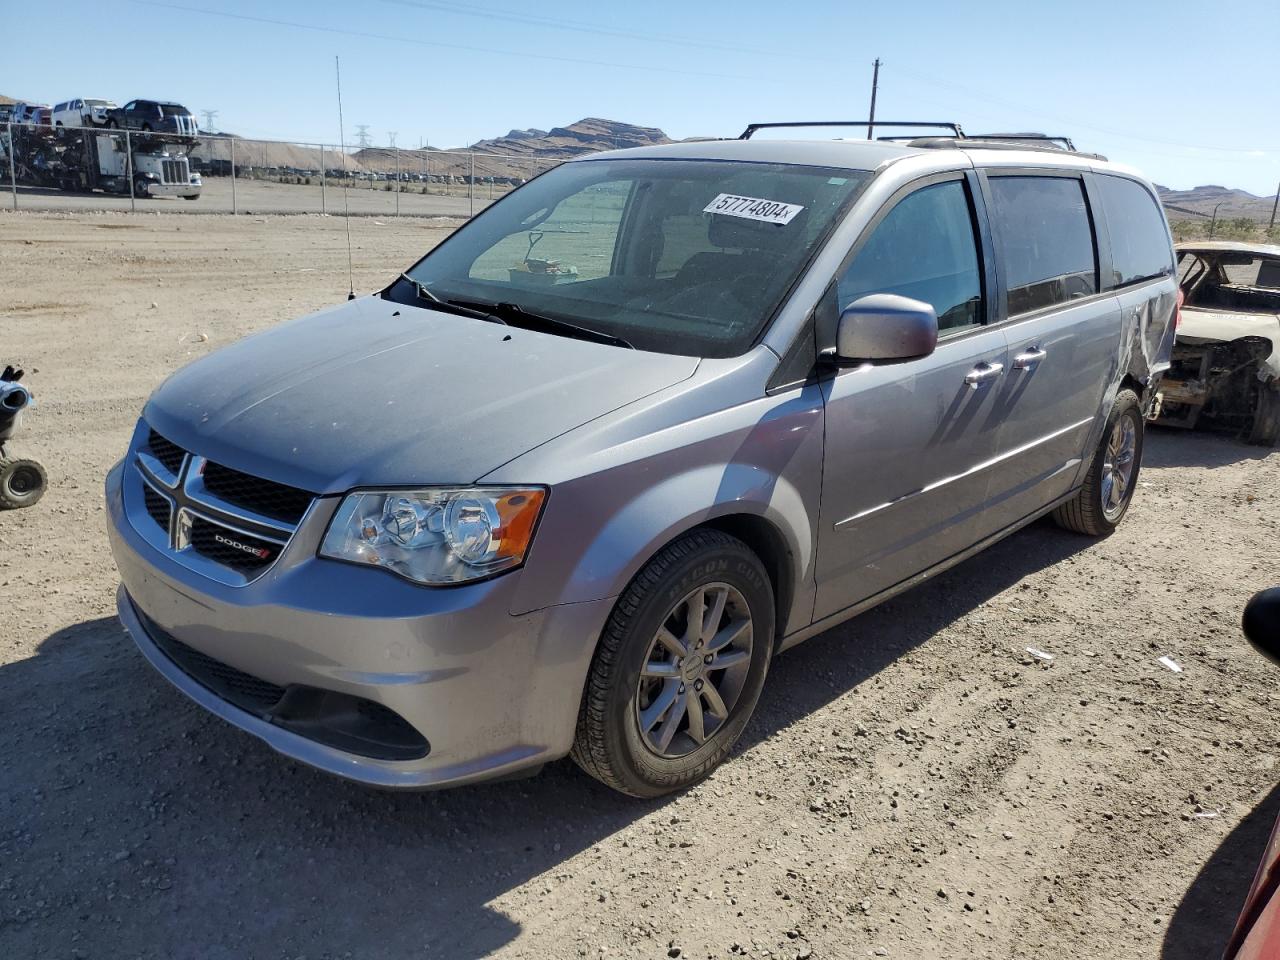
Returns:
(924, 249)
(1140, 248)
(1044, 240)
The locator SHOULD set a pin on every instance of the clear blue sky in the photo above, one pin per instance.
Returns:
(1186, 91)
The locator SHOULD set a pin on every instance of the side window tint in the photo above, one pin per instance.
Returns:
(1044, 240)
(1140, 246)
(924, 249)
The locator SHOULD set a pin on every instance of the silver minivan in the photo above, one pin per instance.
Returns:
(571, 480)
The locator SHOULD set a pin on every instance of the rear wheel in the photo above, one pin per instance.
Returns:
(22, 483)
(140, 188)
(679, 667)
(1103, 500)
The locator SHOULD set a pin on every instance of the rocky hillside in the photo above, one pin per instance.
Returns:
(529, 151)
(1200, 201)
(586, 136)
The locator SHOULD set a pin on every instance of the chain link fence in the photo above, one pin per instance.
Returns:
(95, 168)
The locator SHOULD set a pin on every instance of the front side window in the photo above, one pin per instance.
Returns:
(1140, 248)
(1043, 240)
(690, 257)
(924, 249)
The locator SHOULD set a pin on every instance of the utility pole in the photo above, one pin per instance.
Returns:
(209, 117)
(875, 84)
(1275, 203)
(362, 135)
(391, 138)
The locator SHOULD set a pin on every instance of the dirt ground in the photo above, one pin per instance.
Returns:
(914, 785)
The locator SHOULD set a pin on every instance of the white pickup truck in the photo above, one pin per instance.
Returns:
(82, 112)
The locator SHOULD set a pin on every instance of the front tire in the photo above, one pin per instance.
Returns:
(679, 667)
(1103, 500)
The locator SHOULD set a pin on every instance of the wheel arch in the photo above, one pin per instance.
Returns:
(767, 542)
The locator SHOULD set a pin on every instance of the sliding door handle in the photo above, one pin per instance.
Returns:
(983, 373)
(1029, 358)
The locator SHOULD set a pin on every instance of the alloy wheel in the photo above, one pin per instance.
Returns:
(694, 670)
(1117, 466)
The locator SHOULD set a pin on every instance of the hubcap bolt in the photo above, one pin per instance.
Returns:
(682, 688)
(680, 662)
(698, 685)
(707, 658)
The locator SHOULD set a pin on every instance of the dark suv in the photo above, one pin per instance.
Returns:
(154, 115)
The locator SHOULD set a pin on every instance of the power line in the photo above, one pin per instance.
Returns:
(1034, 113)
(487, 51)
(580, 26)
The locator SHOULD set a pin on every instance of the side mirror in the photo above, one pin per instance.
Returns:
(885, 326)
(1261, 623)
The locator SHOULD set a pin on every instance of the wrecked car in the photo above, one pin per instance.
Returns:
(1226, 360)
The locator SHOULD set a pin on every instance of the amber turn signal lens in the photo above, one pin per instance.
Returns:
(517, 514)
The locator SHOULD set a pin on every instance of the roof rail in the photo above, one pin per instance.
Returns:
(869, 124)
(1000, 141)
(1064, 142)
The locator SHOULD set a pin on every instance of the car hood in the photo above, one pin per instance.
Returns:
(1201, 325)
(377, 393)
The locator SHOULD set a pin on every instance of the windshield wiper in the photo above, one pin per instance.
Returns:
(518, 316)
(432, 302)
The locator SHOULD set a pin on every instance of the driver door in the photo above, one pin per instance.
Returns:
(904, 478)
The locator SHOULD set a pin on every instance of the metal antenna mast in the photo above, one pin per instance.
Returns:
(346, 210)
(875, 84)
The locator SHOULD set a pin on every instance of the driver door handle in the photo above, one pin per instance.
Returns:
(983, 373)
(1029, 358)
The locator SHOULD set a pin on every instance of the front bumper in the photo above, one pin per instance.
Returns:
(491, 693)
(157, 189)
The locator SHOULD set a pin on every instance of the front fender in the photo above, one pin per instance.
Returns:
(659, 515)
(761, 459)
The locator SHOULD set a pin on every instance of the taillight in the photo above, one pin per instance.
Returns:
(1177, 310)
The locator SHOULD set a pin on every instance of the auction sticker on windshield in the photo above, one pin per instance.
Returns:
(753, 208)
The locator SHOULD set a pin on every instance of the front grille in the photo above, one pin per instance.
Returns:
(166, 451)
(230, 548)
(212, 516)
(175, 171)
(245, 691)
(271, 499)
(157, 506)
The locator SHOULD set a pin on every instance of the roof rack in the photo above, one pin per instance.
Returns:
(957, 139)
(870, 124)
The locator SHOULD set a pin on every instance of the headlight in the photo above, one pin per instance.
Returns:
(436, 536)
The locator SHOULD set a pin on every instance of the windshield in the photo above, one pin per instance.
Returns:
(674, 256)
(173, 110)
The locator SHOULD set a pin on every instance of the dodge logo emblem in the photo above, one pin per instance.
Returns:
(258, 552)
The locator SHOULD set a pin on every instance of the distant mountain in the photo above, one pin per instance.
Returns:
(520, 154)
(1200, 202)
(586, 136)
